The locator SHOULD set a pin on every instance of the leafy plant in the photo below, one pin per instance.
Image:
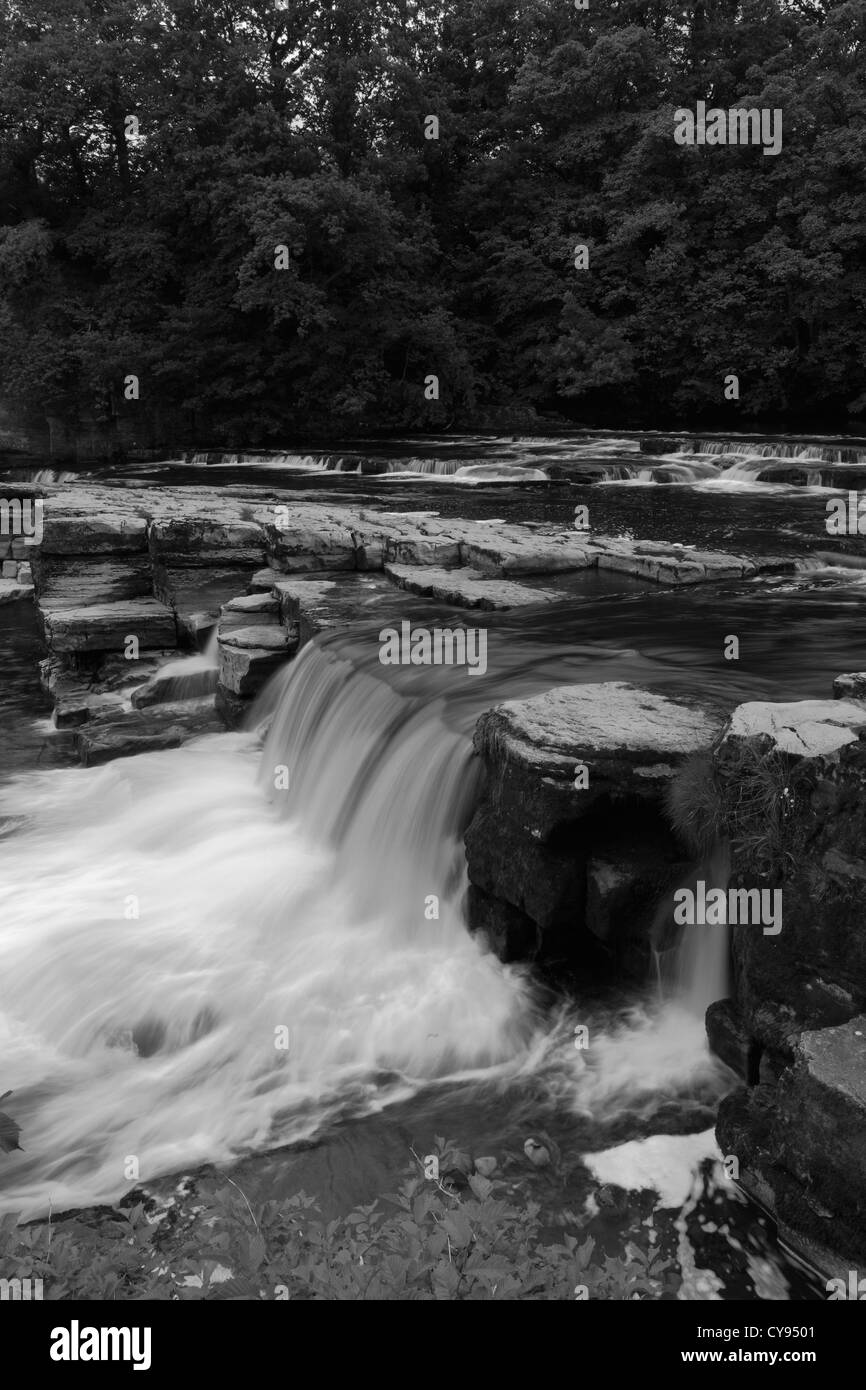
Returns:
(425, 1242)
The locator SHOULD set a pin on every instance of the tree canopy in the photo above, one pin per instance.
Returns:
(155, 155)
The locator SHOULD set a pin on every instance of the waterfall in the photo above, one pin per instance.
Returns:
(691, 963)
(162, 917)
(222, 948)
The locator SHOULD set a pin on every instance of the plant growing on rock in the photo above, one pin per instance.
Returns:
(743, 794)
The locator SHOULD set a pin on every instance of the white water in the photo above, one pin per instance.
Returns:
(161, 918)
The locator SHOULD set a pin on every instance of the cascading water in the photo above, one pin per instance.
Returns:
(196, 963)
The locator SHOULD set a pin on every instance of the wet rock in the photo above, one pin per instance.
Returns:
(303, 539)
(74, 583)
(262, 610)
(851, 686)
(801, 1145)
(264, 580)
(805, 728)
(328, 602)
(667, 563)
(190, 679)
(197, 594)
(260, 637)
(511, 934)
(800, 995)
(249, 656)
(212, 541)
(511, 551)
(13, 592)
(466, 588)
(103, 740)
(105, 627)
(72, 710)
(728, 1037)
(539, 827)
(96, 532)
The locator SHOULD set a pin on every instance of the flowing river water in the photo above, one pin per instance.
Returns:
(162, 916)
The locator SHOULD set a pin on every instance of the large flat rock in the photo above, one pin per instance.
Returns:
(540, 836)
(804, 728)
(627, 737)
(328, 602)
(192, 541)
(105, 627)
(467, 588)
(94, 532)
(308, 538)
(75, 582)
(510, 550)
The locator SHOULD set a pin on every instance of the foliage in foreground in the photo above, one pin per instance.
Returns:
(432, 1242)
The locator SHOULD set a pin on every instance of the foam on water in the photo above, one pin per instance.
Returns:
(164, 917)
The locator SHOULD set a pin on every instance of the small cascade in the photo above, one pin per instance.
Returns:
(692, 961)
(774, 449)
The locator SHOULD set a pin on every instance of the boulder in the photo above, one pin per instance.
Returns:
(539, 835)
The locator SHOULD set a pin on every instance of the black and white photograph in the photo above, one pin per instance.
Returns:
(432, 669)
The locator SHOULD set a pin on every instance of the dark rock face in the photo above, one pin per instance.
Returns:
(103, 740)
(575, 871)
(851, 686)
(794, 1029)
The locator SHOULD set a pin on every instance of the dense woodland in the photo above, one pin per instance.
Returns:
(302, 124)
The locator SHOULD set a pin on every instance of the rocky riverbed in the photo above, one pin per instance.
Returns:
(167, 612)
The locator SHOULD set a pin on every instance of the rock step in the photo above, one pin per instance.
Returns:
(263, 610)
(105, 627)
(76, 582)
(103, 740)
(467, 588)
(93, 532)
(329, 601)
(249, 656)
